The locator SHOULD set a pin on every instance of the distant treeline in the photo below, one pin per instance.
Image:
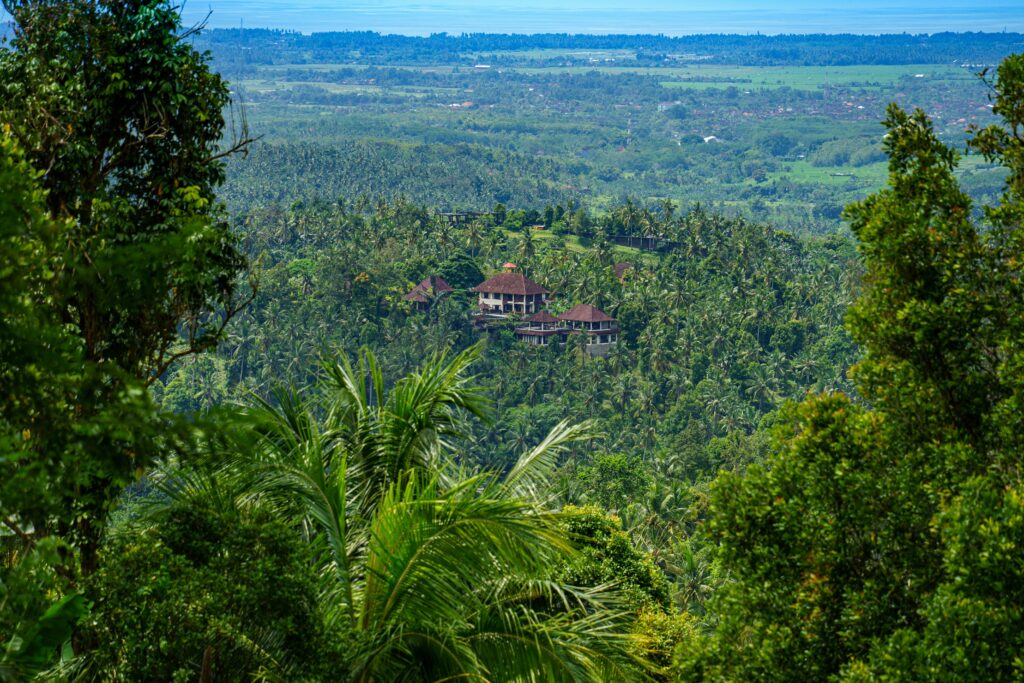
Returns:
(265, 46)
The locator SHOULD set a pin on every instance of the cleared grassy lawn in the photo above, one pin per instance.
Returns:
(572, 243)
(872, 176)
(701, 76)
(800, 77)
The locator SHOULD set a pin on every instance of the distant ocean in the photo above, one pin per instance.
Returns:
(310, 16)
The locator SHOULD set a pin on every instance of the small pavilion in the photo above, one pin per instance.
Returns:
(429, 290)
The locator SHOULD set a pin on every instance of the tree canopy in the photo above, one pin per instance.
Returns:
(879, 541)
(739, 487)
(124, 121)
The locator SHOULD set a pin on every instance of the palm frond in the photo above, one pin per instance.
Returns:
(442, 575)
(417, 533)
(517, 641)
(302, 471)
(407, 429)
(530, 476)
(426, 407)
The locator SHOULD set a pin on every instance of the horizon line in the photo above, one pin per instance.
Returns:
(753, 34)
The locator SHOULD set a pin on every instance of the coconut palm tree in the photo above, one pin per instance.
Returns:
(474, 235)
(527, 248)
(438, 574)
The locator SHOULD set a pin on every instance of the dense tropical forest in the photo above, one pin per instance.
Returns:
(261, 418)
(595, 121)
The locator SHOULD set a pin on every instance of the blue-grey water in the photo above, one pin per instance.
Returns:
(677, 17)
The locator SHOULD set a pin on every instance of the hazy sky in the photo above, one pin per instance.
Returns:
(478, 6)
(673, 17)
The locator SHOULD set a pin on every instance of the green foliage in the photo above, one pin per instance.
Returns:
(608, 556)
(37, 356)
(387, 438)
(113, 250)
(431, 571)
(37, 626)
(717, 330)
(972, 624)
(42, 376)
(135, 268)
(461, 271)
(876, 544)
(816, 572)
(551, 128)
(658, 635)
(847, 152)
(127, 120)
(366, 528)
(208, 593)
(613, 481)
(200, 384)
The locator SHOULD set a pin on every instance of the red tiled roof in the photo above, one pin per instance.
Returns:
(586, 313)
(432, 284)
(621, 268)
(542, 317)
(510, 283)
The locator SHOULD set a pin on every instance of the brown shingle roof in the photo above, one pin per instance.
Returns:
(586, 313)
(433, 285)
(621, 268)
(510, 283)
(418, 296)
(542, 317)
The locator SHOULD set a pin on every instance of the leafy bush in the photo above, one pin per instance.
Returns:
(607, 555)
(207, 591)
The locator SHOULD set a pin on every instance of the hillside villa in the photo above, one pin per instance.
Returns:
(542, 328)
(510, 294)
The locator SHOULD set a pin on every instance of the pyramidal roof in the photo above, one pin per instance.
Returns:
(510, 283)
(585, 313)
(432, 284)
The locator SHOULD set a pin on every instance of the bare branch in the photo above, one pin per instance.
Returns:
(239, 146)
(198, 345)
(195, 29)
